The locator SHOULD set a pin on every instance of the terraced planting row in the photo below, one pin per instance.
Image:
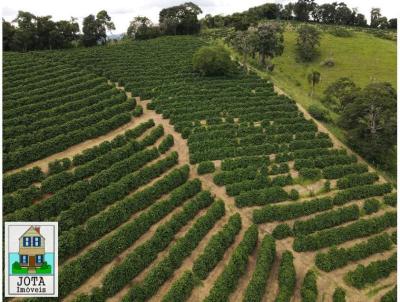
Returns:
(276, 210)
(54, 107)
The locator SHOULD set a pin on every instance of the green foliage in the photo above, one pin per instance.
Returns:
(309, 290)
(390, 199)
(294, 194)
(339, 257)
(205, 167)
(74, 239)
(310, 173)
(290, 211)
(166, 144)
(22, 179)
(358, 229)
(341, 32)
(286, 278)
(374, 131)
(20, 199)
(138, 111)
(143, 255)
(371, 206)
(212, 61)
(319, 113)
(228, 279)
(216, 247)
(282, 231)
(160, 273)
(371, 273)
(339, 295)
(307, 42)
(326, 220)
(353, 180)
(59, 165)
(338, 171)
(180, 289)
(390, 296)
(256, 288)
(261, 197)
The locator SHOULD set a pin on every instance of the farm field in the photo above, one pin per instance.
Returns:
(220, 190)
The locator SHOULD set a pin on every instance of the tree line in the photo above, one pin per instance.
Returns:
(29, 32)
(303, 11)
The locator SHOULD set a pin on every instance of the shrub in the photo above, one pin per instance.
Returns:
(319, 113)
(282, 231)
(326, 220)
(371, 206)
(182, 248)
(212, 61)
(138, 111)
(294, 194)
(358, 229)
(354, 180)
(166, 144)
(340, 32)
(59, 165)
(390, 200)
(286, 212)
(309, 290)
(390, 296)
(339, 295)
(374, 271)
(146, 253)
(22, 179)
(339, 257)
(310, 173)
(337, 171)
(229, 278)
(216, 247)
(181, 289)
(205, 167)
(286, 278)
(261, 197)
(266, 256)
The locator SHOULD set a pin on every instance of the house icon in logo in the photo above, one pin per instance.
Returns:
(31, 249)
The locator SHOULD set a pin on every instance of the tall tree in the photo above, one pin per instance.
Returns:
(303, 8)
(180, 19)
(246, 42)
(270, 40)
(307, 41)
(95, 28)
(139, 27)
(371, 121)
(8, 35)
(340, 93)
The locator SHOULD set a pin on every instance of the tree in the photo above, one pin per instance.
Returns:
(303, 8)
(246, 42)
(307, 41)
(375, 16)
(270, 40)
(393, 23)
(180, 19)
(340, 93)
(141, 28)
(287, 12)
(314, 78)
(212, 61)
(95, 28)
(8, 35)
(104, 24)
(371, 121)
